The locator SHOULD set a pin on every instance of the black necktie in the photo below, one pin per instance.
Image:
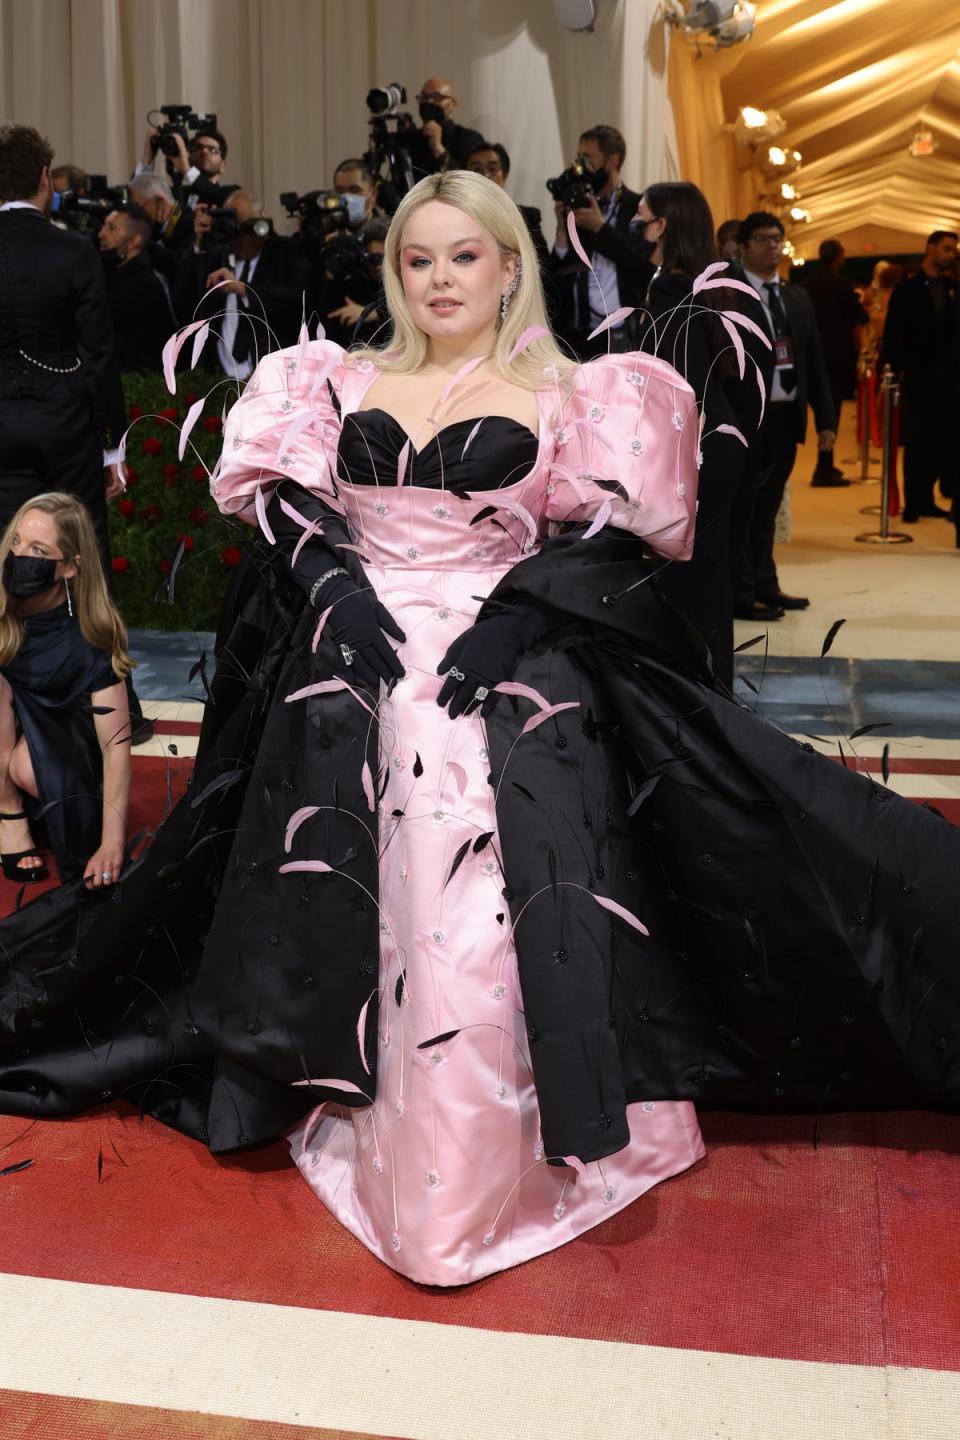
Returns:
(788, 377)
(243, 340)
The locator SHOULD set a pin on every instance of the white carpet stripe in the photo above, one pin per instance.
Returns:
(437, 1382)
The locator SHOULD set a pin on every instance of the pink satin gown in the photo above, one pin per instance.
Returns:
(444, 1175)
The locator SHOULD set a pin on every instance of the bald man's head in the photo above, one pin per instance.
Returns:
(437, 92)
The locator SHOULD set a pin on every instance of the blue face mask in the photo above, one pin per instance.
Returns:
(356, 209)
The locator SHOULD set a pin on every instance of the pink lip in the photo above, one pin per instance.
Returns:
(445, 304)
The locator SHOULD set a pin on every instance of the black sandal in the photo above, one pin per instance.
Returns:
(11, 863)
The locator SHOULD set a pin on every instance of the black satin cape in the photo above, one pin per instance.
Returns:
(803, 920)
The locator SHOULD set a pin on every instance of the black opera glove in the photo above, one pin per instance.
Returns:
(359, 625)
(357, 621)
(483, 656)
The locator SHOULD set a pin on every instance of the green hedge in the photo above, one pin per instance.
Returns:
(168, 499)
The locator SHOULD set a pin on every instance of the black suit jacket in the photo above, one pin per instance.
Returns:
(916, 340)
(142, 318)
(813, 383)
(278, 284)
(614, 241)
(838, 313)
(54, 310)
(458, 141)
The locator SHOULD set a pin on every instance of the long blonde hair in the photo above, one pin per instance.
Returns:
(100, 623)
(492, 208)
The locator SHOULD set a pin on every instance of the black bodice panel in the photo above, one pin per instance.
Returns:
(483, 453)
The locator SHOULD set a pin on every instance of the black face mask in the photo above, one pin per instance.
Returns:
(431, 112)
(642, 247)
(27, 575)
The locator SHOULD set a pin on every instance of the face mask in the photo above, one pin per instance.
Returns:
(431, 112)
(27, 575)
(642, 247)
(356, 209)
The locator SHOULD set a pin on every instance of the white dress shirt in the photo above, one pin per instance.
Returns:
(602, 286)
(238, 369)
(777, 391)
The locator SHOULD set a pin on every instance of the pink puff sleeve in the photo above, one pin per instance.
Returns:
(285, 425)
(626, 452)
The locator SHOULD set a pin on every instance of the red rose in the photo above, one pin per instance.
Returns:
(199, 473)
(151, 513)
(199, 517)
(125, 507)
(129, 475)
(152, 446)
(119, 564)
(170, 470)
(212, 424)
(230, 555)
(164, 567)
(135, 412)
(169, 414)
(187, 541)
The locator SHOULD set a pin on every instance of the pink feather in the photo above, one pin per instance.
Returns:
(172, 349)
(762, 387)
(324, 687)
(319, 630)
(616, 909)
(361, 1032)
(575, 240)
(532, 333)
(736, 342)
(472, 436)
(730, 285)
(543, 715)
(345, 1085)
(295, 821)
(323, 377)
(746, 323)
(599, 520)
(259, 504)
(192, 416)
(402, 459)
(612, 320)
(461, 374)
(459, 775)
(575, 1164)
(298, 423)
(731, 430)
(366, 780)
(312, 529)
(313, 867)
(704, 275)
(199, 340)
(513, 687)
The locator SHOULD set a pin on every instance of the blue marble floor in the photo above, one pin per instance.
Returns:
(800, 694)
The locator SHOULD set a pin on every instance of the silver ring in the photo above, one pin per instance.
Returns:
(347, 654)
(107, 875)
(457, 674)
(481, 692)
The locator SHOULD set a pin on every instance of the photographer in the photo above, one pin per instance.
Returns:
(493, 161)
(69, 180)
(142, 318)
(196, 173)
(603, 208)
(342, 284)
(171, 223)
(440, 144)
(260, 305)
(62, 412)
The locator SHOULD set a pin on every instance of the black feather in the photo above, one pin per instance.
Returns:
(458, 860)
(484, 514)
(400, 987)
(100, 1165)
(646, 789)
(482, 841)
(438, 1039)
(15, 1169)
(830, 636)
(222, 782)
(885, 764)
(523, 790)
(417, 766)
(748, 644)
(866, 729)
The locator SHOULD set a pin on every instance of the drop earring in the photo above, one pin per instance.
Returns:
(509, 292)
(69, 597)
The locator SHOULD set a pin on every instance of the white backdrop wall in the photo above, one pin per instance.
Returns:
(288, 79)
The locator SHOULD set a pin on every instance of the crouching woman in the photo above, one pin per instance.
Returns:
(64, 717)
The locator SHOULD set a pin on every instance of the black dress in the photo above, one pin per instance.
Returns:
(53, 676)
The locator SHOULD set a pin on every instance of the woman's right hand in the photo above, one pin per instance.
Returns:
(359, 625)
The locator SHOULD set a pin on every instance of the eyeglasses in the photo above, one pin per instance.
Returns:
(494, 168)
(767, 239)
(202, 145)
(431, 97)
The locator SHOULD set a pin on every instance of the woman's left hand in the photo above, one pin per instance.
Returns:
(102, 870)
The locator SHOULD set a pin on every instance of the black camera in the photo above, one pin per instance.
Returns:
(227, 225)
(321, 213)
(576, 185)
(85, 214)
(386, 99)
(392, 132)
(181, 119)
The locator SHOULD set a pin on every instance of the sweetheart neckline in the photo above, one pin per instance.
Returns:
(469, 420)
